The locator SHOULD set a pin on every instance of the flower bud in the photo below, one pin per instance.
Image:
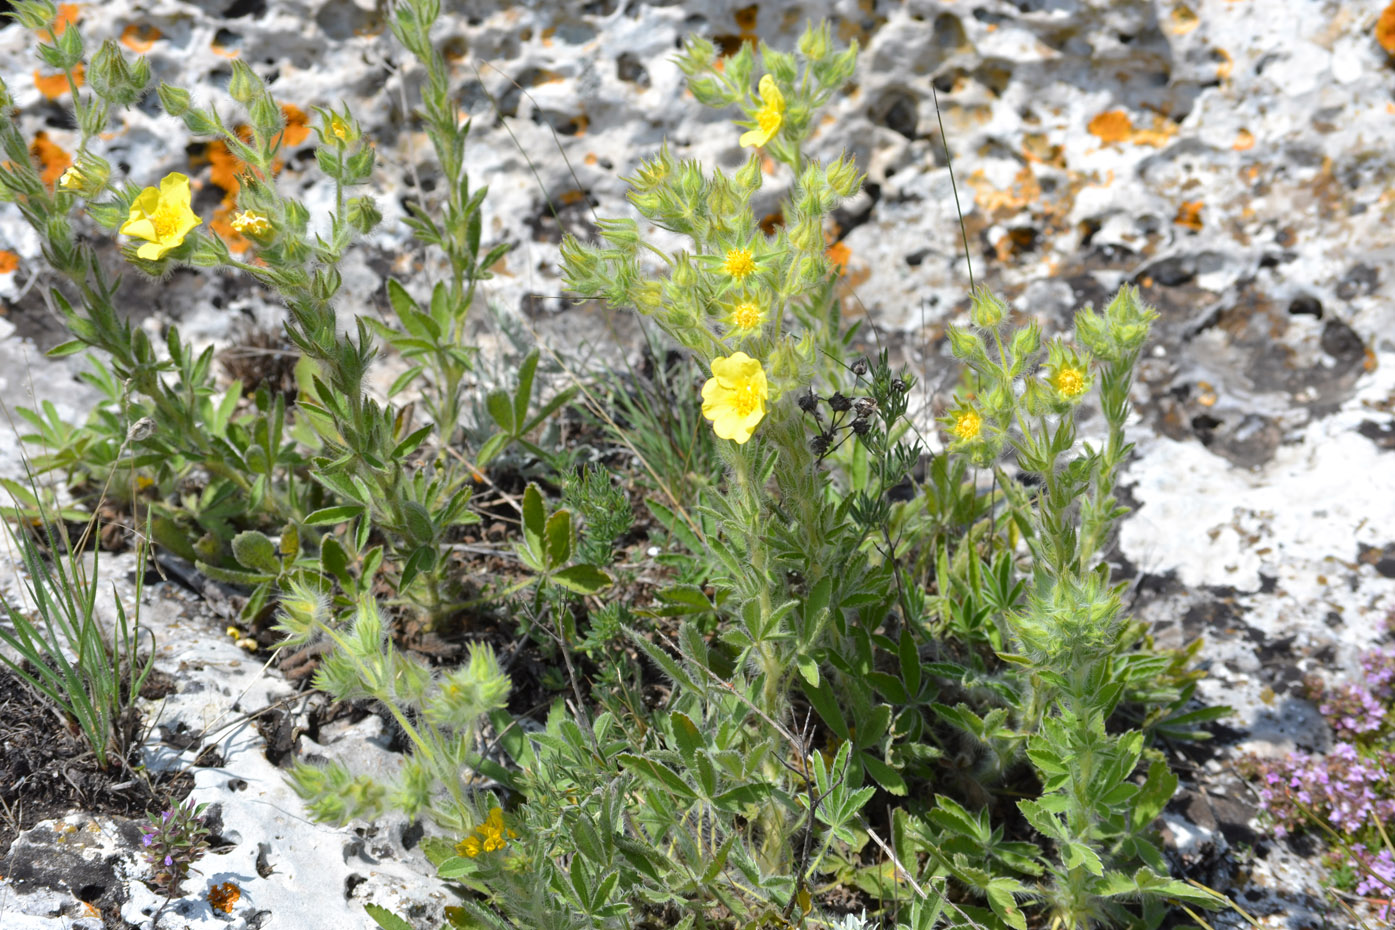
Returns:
(987, 311)
(173, 100)
(817, 42)
(843, 177)
(1026, 341)
(966, 344)
(199, 123)
(362, 214)
(244, 86)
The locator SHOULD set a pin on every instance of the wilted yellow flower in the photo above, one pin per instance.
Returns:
(161, 217)
(739, 264)
(72, 179)
(251, 223)
(967, 426)
(734, 397)
(769, 116)
(489, 836)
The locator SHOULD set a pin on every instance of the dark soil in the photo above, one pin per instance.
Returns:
(47, 771)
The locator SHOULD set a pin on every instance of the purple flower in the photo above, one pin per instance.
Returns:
(169, 861)
(147, 839)
(166, 815)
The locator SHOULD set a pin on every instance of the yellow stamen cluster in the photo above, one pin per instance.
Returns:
(1070, 381)
(739, 264)
(746, 315)
(489, 836)
(967, 426)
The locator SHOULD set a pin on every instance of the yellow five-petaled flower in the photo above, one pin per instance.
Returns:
(734, 397)
(769, 117)
(161, 217)
(489, 836)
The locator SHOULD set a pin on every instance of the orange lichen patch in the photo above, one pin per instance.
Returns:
(1024, 190)
(1115, 126)
(227, 167)
(746, 18)
(1189, 214)
(546, 76)
(839, 256)
(572, 196)
(139, 37)
(297, 124)
(90, 910)
(222, 50)
(51, 156)
(591, 158)
(223, 897)
(771, 222)
(67, 13)
(547, 35)
(1385, 29)
(1014, 242)
(1036, 147)
(53, 86)
(1183, 20)
(1225, 65)
(1244, 141)
(501, 267)
(9, 261)
(1111, 126)
(1206, 394)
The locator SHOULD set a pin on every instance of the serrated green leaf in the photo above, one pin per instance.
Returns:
(386, 918)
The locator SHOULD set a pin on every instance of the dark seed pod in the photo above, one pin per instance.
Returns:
(808, 401)
(861, 426)
(859, 367)
(865, 406)
(899, 386)
(838, 403)
(819, 444)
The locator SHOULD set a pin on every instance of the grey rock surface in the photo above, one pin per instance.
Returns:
(1235, 158)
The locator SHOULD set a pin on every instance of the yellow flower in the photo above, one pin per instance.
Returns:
(746, 315)
(339, 129)
(492, 836)
(1070, 381)
(967, 426)
(161, 217)
(769, 116)
(734, 397)
(739, 264)
(249, 222)
(72, 179)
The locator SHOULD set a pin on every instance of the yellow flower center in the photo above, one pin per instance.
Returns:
(165, 219)
(337, 127)
(739, 263)
(967, 425)
(1070, 381)
(746, 315)
(769, 118)
(745, 399)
